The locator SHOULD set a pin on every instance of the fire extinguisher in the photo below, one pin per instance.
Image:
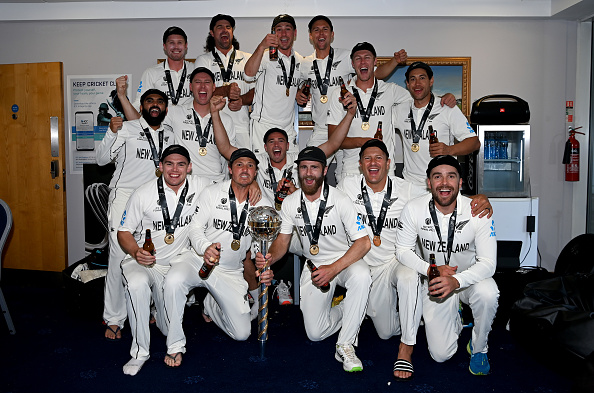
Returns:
(571, 156)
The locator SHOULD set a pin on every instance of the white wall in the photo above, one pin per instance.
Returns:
(533, 59)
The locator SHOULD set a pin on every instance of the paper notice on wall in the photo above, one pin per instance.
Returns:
(92, 102)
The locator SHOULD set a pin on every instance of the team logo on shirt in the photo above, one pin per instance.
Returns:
(328, 209)
(223, 200)
(189, 199)
(461, 225)
(335, 64)
(427, 221)
(379, 94)
(188, 116)
(433, 116)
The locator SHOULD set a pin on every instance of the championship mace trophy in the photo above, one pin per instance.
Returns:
(264, 224)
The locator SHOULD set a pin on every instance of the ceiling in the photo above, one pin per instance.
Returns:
(27, 10)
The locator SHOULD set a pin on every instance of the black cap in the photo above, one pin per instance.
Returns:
(363, 46)
(200, 70)
(154, 91)
(174, 30)
(317, 18)
(280, 130)
(175, 149)
(374, 143)
(444, 160)
(419, 64)
(219, 17)
(283, 18)
(242, 153)
(312, 153)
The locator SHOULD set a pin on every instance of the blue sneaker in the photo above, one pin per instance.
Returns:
(479, 362)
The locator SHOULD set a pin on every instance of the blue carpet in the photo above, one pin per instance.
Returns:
(60, 347)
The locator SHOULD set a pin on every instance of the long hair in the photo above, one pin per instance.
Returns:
(210, 44)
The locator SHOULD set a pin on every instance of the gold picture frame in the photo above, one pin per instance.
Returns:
(451, 75)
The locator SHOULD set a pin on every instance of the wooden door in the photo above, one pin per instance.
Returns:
(31, 95)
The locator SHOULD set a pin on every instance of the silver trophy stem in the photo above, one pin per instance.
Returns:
(263, 306)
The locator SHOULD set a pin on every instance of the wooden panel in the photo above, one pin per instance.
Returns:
(37, 201)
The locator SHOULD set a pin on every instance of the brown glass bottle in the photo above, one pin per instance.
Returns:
(282, 193)
(433, 271)
(306, 88)
(313, 268)
(432, 135)
(273, 51)
(343, 89)
(205, 270)
(148, 243)
(378, 133)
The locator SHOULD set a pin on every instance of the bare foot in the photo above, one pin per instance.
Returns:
(113, 333)
(173, 360)
(206, 317)
(404, 353)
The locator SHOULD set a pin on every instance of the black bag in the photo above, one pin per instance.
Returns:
(560, 309)
(500, 109)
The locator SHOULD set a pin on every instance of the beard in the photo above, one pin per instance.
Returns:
(444, 201)
(153, 121)
(311, 190)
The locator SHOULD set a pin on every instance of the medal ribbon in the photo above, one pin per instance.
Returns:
(171, 224)
(323, 84)
(290, 78)
(273, 177)
(451, 229)
(149, 138)
(237, 226)
(226, 75)
(175, 96)
(314, 235)
(203, 137)
(376, 228)
(417, 133)
(366, 113)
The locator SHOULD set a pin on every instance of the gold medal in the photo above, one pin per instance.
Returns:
(288, 92)
(377, 241)
(158, 172)
(415, 147)
(226, 83)
(235, 244)
(202, 151)
(324, 99)
(169, 238)
(314, 249)
(365, 126)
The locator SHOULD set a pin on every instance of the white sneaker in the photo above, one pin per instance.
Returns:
(283, 294)
(346, 355)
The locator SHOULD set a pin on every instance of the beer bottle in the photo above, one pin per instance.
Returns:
(282, 193)
(205, 270)
(378, 133)
(306, 88)
(433, 271)
(273, 50)
(148, 243)
(313, 268)
(432, 135)
(343, 89)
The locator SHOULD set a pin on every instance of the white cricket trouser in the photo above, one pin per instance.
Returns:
(140, 282)
(320, 319)
(410, 303)
(242, 139)
(259, 129)
(391, 283)
(226, 302)
(114, 302)
(442, 321)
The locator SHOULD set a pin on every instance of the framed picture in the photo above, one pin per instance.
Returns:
(450, 74)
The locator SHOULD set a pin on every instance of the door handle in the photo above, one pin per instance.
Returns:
(55, 168)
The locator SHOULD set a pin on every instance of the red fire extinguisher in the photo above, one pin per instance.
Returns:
(571, 156)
